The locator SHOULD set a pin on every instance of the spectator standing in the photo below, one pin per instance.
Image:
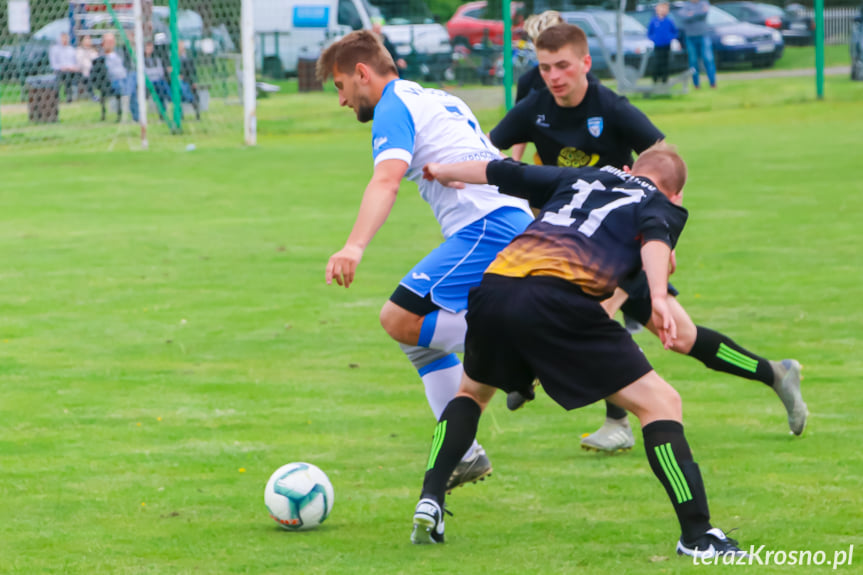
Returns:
(699, 46)
(661, 32)
(64, 64)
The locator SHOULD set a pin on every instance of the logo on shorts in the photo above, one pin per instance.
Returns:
(594, 126)
(421, 276)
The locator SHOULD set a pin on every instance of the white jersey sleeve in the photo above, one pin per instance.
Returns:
(418, 126)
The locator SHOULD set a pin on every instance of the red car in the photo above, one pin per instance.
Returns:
(470, 23)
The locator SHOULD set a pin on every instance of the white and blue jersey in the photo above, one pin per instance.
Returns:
(420, 126)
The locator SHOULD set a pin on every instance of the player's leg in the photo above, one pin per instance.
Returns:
(602, 360)
(495, 321)
(719, 352)
(453, 435)
(426, 314)
(615, 435)
(658, 407)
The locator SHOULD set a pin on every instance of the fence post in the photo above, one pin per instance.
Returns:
(819, 48)
(247, 33)
(507, 53)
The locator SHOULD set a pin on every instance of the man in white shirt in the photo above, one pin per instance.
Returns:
(64, 64)
(413, 126)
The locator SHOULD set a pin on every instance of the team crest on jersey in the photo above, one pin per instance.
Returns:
(594, 126)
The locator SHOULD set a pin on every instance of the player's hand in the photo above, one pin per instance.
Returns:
(664, 321)
(672, 263)
(343, 265)
(435, 171)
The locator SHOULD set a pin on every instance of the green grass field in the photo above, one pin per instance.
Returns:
(167, 341)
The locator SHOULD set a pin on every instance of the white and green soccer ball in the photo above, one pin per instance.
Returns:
(299, 496)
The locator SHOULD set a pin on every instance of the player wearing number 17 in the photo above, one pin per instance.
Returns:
(537, 314)
(411, 127)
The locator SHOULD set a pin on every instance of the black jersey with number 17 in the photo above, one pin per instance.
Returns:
(592, 224)
(604, 129)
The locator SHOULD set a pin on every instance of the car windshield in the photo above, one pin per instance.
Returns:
(52, 31)
(769, 10)
(717, 17)
(608, 24)
(396, 12)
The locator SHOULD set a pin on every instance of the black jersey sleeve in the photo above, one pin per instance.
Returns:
(661, 220)
(633, 127)
(513, 129)
(536, 184)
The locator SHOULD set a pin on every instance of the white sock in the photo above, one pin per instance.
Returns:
(443, 330)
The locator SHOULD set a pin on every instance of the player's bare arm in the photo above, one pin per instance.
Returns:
(655, 257)
(457, 174)
(378, 200)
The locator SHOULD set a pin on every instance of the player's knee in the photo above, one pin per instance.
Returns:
(401, 325)
(668, 405)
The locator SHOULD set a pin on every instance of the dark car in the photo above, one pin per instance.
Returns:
(796, 27)
(734, 42)
(857, 48)
(601, 29)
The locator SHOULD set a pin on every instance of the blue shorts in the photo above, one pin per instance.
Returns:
(446, 275)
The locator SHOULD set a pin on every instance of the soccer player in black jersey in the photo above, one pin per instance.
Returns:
(537, 313)
(579, 122)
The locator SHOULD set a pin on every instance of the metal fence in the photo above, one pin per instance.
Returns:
(838, 23)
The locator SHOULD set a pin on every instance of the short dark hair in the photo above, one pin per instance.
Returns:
(553, 38)
(358, 46)
(667, 168)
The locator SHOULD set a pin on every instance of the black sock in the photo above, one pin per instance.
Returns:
(719, 352)
(614, 412)
(671, 460)
(453, 436)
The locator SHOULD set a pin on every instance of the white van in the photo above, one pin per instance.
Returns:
(290, 29)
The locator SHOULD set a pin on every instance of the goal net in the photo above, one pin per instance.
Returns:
(106, 74)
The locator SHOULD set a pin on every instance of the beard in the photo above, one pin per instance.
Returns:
(365, 113)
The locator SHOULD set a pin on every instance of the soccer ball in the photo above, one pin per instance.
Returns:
(299, 496)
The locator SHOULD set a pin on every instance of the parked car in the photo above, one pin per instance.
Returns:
(601, 29)
(796, 27)
(857, 48)
(472, 24)
(418, 38)
(734, 42)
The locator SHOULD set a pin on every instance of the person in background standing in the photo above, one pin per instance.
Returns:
(661, 32)
(699, 46)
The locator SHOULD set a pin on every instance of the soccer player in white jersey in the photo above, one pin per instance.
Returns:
(412, 126)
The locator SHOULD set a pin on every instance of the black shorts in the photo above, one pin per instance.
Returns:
(638, 305)
(519, 329)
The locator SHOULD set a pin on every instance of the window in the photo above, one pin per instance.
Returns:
(349, 15)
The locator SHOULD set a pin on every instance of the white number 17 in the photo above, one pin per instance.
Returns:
(563, 217)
